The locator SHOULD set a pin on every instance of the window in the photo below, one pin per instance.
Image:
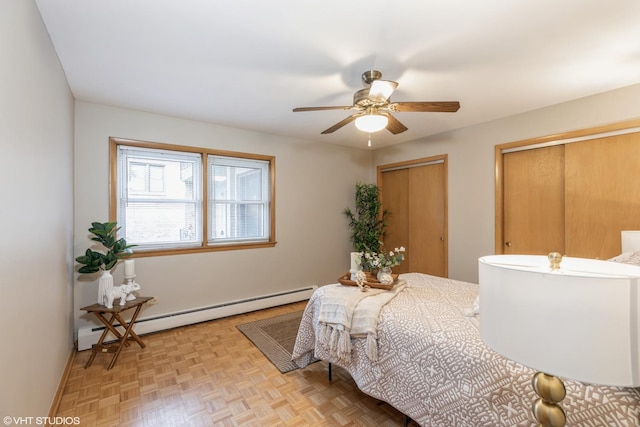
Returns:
(238, 199)
(158, 197)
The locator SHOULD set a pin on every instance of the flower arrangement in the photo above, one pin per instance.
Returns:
(371, 261)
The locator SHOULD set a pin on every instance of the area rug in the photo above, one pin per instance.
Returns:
(275, 338)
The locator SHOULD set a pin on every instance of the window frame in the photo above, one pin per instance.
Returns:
(205, 246)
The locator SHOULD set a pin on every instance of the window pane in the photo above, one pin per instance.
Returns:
(156, 178)
(159, 203)
(137, 177)
(235, 183)
(145, 177)
(238, 200)
(233, 221)
(250, 220)
(161, 223)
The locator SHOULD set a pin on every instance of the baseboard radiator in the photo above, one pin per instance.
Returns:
(89, 336)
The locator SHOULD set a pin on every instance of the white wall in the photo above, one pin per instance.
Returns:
(36, 185)
(314, 183)
(471, 164)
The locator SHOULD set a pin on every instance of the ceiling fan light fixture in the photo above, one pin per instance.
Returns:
(372, 122)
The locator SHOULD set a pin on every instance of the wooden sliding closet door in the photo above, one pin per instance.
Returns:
(534, 201)
(602, 194)
(415, 195)
(396, 200)
(427, 219)
(571, 193)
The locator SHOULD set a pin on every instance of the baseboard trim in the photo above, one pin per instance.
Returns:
(57, 398)
(88, 336)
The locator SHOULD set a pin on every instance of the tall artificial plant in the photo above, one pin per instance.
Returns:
(116, 249)
(369, 220)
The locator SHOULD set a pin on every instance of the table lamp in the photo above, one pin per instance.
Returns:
(564, 317)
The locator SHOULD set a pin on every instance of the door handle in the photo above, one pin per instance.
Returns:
(508, 244)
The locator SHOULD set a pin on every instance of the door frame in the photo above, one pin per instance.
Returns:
(618, 128)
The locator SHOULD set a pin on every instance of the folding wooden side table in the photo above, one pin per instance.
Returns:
(121, 339)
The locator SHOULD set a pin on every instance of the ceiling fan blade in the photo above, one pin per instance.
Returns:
(443, 107)
(394, 126)
(295, 110)
(381, 90)
(341, 123)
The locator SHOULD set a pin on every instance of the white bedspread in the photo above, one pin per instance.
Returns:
(433, 366)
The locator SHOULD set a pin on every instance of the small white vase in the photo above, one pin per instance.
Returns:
(105, 283)
(384, 276)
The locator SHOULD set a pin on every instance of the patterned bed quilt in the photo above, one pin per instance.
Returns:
(433, 366)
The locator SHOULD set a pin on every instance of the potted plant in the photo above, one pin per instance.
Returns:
(369, 220)
(114, 250)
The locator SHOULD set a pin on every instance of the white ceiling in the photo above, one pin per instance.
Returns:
(248, 63)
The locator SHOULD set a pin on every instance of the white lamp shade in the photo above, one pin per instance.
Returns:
(371, 122)
(580, 322)
(630, 241)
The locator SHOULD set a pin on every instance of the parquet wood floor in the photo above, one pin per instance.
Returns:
(210, 374)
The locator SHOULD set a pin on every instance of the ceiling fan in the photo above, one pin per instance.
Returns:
(374, 106)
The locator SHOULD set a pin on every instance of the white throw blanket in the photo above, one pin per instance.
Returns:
(346, 312)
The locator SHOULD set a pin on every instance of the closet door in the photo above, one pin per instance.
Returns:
(427, 219)
(396, 200)
(415, 195)
(602, 194)
(572, 194)
(533, 201)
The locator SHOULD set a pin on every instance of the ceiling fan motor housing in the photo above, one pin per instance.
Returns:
(370, 76)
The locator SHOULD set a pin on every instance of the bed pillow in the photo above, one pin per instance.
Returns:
(475, 310)
(627, 258)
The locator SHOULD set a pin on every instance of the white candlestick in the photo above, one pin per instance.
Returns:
(630, 241)
(129, 268)
(355, 258)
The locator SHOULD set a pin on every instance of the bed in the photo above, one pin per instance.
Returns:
(432, 365)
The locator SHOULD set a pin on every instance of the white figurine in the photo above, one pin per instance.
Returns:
(361, 278)
(122, 292)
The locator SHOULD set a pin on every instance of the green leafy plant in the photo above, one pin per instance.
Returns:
(116, 249)
(369, 220)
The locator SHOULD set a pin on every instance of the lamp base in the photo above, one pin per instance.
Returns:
(546, 409)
